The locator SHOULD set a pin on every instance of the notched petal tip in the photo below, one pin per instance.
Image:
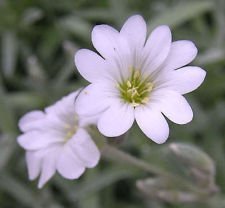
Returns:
(192, 47)
(21, 140)
(202, 74)
(30, 120)
(189, 48)
(188, 119)
(104, 39)
(85, 149)
(198, 76)
(162, 28)
(160, 140)
(152, 123)
(174, 106)
(90, 65)
(78, 54)
(181, 53)
(134, 30)
(116, 120)
(33, 162)
(157, 48)
(187, 79)
(69, 165)
(137, 18)
(42, 181)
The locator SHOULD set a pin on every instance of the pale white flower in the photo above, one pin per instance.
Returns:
(137, 79)
(56, 140)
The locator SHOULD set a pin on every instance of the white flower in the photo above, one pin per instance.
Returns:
(56, 140)
(135, 79)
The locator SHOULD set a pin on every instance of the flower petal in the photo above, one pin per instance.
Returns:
(187, 79)
(85, 148)
(90, 65)
(88, 120)
(48, 168)
(92, 100)
(63, 106)
(116, 120)
(181, 53)
(33, 164)
(31, 121)
(114, 48)
(69, 165)
(135, 29)
(152, 123)
(104, 39)
(123, 59)
(174, 106)
(157, 48)
(34, 140)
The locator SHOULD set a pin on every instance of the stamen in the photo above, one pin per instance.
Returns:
(136, 89)
(71, 128)
(128, 83)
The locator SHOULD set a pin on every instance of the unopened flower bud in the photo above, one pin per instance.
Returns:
(177, 196)
(163, 190)
(151, 186)
(193, 157)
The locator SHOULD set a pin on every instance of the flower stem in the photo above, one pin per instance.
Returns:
(112, 153)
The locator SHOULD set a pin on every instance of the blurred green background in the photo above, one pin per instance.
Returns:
(38, 39)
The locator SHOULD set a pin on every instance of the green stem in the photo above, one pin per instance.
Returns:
(117, 155)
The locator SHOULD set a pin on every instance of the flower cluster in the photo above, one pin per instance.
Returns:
(132, 78)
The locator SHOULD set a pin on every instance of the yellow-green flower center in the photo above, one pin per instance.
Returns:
(70, 132)
(71, 128)
(136, 89)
